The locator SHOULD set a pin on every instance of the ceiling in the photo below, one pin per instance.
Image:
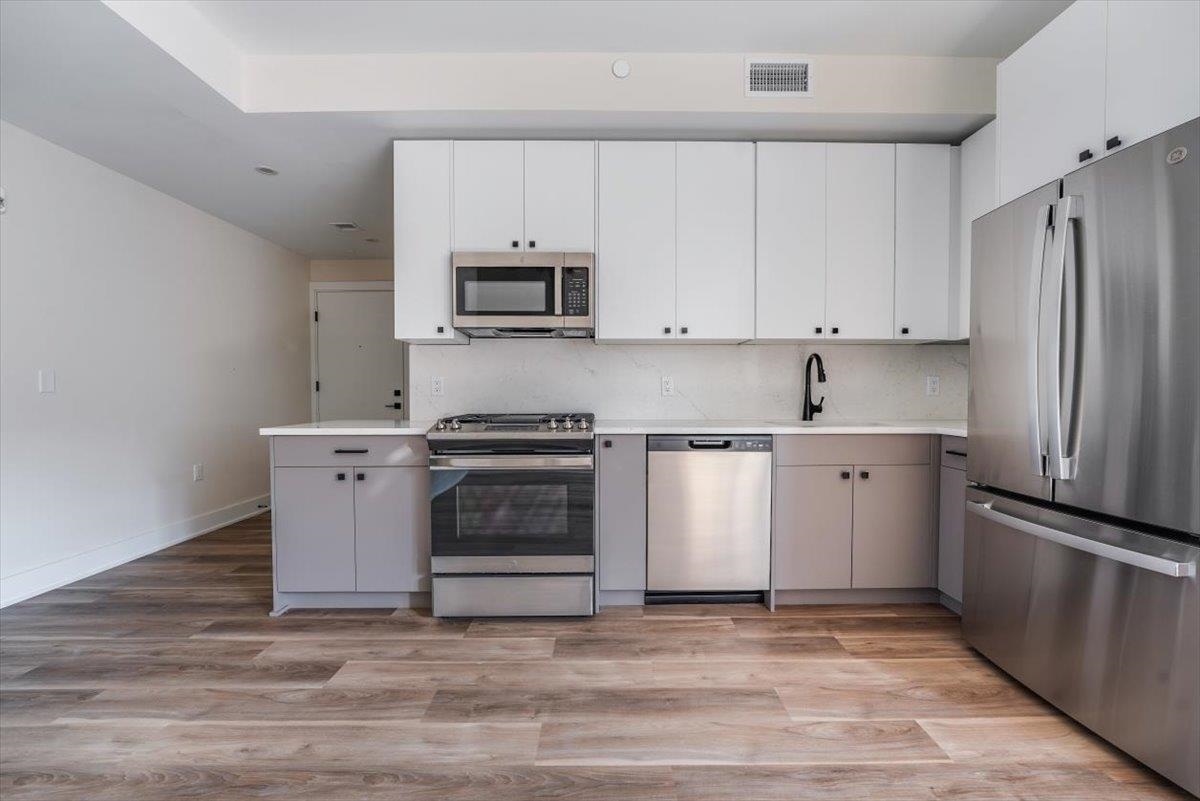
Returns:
(992, 28)
(78, 74)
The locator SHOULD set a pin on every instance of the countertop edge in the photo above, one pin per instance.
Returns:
(614, 427)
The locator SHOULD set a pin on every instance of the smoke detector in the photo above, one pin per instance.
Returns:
(778, 76)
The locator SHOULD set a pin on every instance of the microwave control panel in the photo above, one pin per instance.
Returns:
(575, 292)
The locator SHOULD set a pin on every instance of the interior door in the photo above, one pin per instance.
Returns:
(1002, 399)
(1133, 442)
(360, 368)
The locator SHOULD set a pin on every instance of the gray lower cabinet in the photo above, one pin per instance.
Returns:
(893, 527)
(391, 529)
(952, 512)
(853, 511)
(813, 519)
(621, 511)
(313, 512)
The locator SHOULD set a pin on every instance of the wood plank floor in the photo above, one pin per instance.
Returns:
(165, 678)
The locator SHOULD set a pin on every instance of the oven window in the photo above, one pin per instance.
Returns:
(501, 291)
(512, 513)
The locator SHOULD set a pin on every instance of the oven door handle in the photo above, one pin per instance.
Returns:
(581, 462)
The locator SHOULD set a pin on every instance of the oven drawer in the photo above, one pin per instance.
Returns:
(373, 451)
(511, 596)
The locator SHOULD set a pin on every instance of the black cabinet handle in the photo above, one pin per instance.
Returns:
(683, 330)
(393, 406)
(958, 453)
(1114, 141)
(532, 244)
(341, 476)
(360, 476)
(516, 243)
(834, 330)
(667, 329)
(864, 474)
(349, 450)
(608, 443)
(441, 329)
(904, 329)
(845, 474)
(1085, 155)
(818, 329)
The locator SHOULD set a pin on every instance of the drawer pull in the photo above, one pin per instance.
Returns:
(963, 454)
(341, 476)
(349, 450)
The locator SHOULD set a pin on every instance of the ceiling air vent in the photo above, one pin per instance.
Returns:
(772, 76)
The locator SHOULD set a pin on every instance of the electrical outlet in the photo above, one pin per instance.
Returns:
(437, 386)
(198, 472)
(668, 385)
(933, 385)
(46, 381)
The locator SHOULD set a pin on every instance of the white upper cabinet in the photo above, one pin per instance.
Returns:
(790, 240)
(421, 205)
(635, 248)
(923, 215)
(560, 196)
(714, 240)
(977, 187)
(489, 180)
(861, 244)
(1153, 74)
(1050, 100)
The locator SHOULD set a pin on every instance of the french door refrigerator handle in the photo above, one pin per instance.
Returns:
(1157, 564)
(1037, 450)
(1060, 465)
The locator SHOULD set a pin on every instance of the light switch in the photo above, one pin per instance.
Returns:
(46, 381)
(933, 385)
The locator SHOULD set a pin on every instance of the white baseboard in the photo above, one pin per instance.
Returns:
(44, 578)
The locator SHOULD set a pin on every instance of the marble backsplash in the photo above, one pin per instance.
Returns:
(711, 381)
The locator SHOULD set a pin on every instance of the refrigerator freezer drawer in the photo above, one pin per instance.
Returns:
(1102, 622)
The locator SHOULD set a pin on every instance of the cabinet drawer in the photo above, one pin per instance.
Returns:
(841, 449)
(954, 452)
(326, 451)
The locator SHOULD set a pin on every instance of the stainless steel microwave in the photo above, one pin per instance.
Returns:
(533, 294)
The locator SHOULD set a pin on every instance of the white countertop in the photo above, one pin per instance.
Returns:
(351, 428)
(345, 428)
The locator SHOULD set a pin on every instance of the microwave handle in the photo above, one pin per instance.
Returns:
(559, 277)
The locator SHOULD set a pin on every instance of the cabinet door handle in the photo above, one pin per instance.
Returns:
(360, 476)
(818, 329)
(1114, 141)
(666, 329)
(608, 443)
(683, 330)
(864, 474)
(516, 243)
(845, 475)
(833, 330)
(441, 329)
(350, 450)
(341, 476)
(957, 453)
(904, 329)
(532, 244)
(1085, 155)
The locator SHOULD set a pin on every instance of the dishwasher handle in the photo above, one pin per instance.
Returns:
(710, 444)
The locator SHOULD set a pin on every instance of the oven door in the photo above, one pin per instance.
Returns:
(512, 514)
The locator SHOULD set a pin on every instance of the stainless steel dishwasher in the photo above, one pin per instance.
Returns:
(708, 525)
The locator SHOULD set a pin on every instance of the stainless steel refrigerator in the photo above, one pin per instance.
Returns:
(1083, 515)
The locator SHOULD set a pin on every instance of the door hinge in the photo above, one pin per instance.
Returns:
(316, 316)
(318, 383)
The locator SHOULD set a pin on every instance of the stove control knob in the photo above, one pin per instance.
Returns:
(441, 425)
(455, 425)
(568, 424)
(552, 425)
(583, 425)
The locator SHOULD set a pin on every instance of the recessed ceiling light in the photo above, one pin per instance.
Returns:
(373, 240)
(345, 226)
(263, 169)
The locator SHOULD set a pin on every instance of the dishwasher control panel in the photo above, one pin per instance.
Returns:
(709, 442)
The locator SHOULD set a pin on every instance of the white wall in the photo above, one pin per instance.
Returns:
(711, 381)
(173, 336)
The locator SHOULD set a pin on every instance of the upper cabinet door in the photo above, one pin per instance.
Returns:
(790, 240)
(635, 250)
(861, 245)
(1153, 75)
(923, 189)
(560, 196)
(489, 210)
(714, 240)
(421, 205)
(1050, 100)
